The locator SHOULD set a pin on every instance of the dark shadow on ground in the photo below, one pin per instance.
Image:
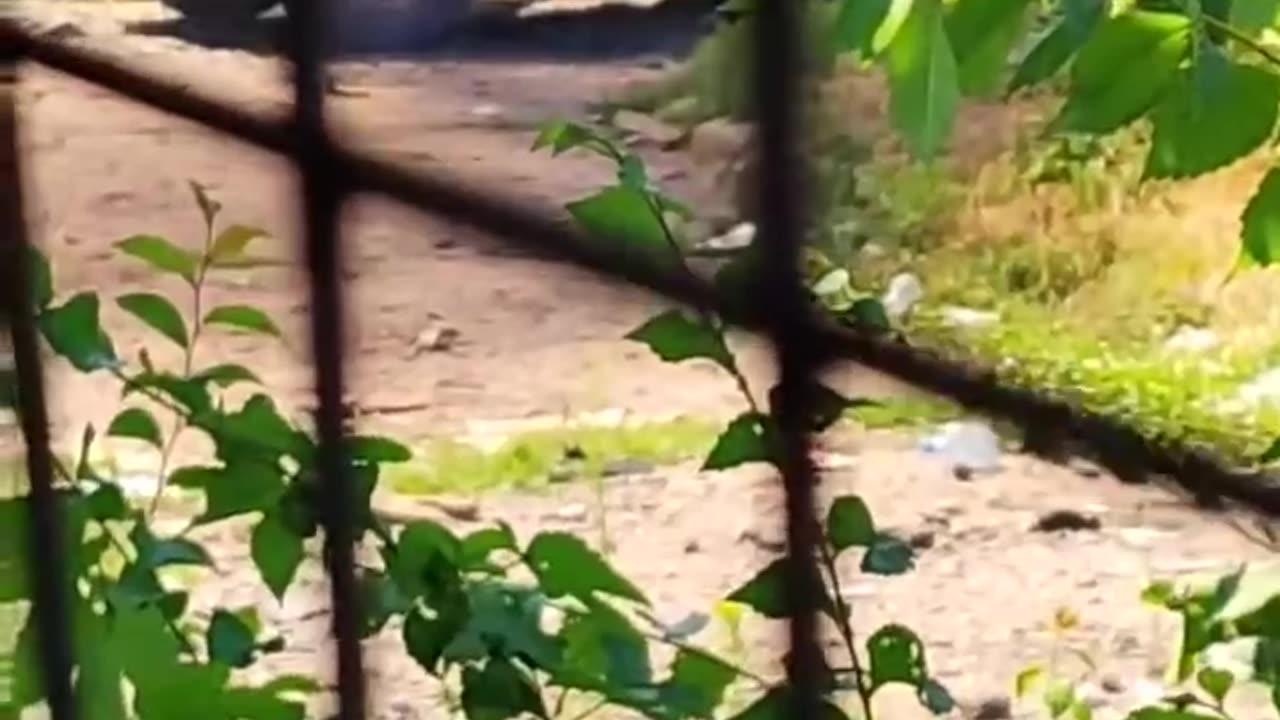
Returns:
(607, 33)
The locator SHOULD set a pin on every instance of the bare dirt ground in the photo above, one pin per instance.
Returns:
(536, 339)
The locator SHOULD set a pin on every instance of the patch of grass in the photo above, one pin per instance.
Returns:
(904, 412)
(535, 459)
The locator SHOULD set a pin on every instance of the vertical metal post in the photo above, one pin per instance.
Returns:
(779, 75)
(46, 547)
(323, 192)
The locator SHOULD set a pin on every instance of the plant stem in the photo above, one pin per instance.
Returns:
(1242, 38)
(846, 631)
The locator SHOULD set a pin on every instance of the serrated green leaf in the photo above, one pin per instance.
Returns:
(1123, 69)
(162, 255)
(243, 317)
(676, 337)
(1216, 682)
(924, 80)
(888, 555)
(277, 552)
(849, 523)
(138, 424)
(857, 22)
(231, 243)
(897, 655)
(156, 311)
(749, 438)
(499, 691)
(1218, 112)
(982, 33)
(230, 641)
(1056, 48)
(566, 566)
(1261, 221)
(626, 215)
(75, 332)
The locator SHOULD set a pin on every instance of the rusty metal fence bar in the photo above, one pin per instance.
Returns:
(328, 173)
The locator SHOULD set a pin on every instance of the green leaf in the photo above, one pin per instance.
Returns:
(230, 641)
(154, 553)
(698, 683)
(766, 591)
(426, 558)
(507, 621)
(1159, 713)
(924, 81)
(1272, 453)
(1123, 69)
(479, 545)
(825, 406)
(226, 375)
(1027, 680)
(377, 450)
(868, 314)
(675, 337)
(561, 136)
(234, 490)
(982, 33)
(849, 524)
(857, 22)
(381, 600)
(156, 311)
(1059, 45)
(603, 645)
(277, 552)
(499, 691)
(106, 503)
(1253, 16)
(897, 655)
(888, 556)
(1261, 221)
(749, 438)
(565, 565)
(1218, 112)
(75, 332)
(625, 215)
(190, 394)
(243, 317)
(1059, 698)
(138, 424)
(162, 255)
(231, 243)
(426, 638)
(1217, 683)
(935, 697)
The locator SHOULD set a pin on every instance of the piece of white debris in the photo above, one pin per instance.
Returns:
(437, 336)
(735, 238)
(1262, 389)
(963, 317)
(487, 111)
(905, 290)
(576, 512)
(970, 445)
(1187, 339)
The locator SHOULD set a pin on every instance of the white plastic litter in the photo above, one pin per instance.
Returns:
(971, 445)
(963, 317)
(905, 290)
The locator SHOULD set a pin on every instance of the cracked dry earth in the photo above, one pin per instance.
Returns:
(536, 339)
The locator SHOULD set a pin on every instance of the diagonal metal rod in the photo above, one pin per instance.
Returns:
(47, 554)
(778, 72)
(323, 194)
(1117, 446)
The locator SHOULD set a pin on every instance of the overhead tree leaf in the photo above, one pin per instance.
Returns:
(1123, 69)
(623, 214)
(566, 566)
(231, 243)
(1052, 52)
(982, 33)
(1262, 221)
(277, 552)
(857, 22)
(849, 523)
(1217, 112)
(156, 311)
(675, 337)
(162, 255)
(138, 424)
(243, 317)
(230, 641)
(75, 332)
(499, 691)
(924, 81)
(751, 437)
